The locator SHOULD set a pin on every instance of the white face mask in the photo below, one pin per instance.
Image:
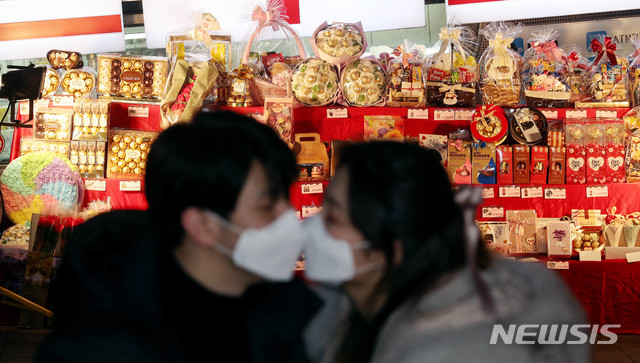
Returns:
(329, 260)
(271, 251)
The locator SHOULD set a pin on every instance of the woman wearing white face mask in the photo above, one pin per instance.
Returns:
(405, 276)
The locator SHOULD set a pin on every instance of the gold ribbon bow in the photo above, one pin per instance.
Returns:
(208, 23)
(447, 37)
(500, 46)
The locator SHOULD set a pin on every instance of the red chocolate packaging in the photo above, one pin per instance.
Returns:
(521, 164)
(595, 152)
(539, 163)
(575, 149)
(556, 165)
(505, 164)
(614, 151)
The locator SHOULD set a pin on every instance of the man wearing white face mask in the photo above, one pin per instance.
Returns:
(215, 282)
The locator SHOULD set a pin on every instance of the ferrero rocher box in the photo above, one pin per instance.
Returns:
(459, 163)
(311, 157)
(128, 151)
(483, 163)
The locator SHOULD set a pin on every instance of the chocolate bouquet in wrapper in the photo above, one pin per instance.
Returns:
(339, 43)
(405, 74)
(634, 74)
(607, 77)
(270, 52)
(500, 66)
(452, 72)
(363, 82)
(545, 72)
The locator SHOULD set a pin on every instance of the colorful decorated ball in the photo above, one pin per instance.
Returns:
(38, 182)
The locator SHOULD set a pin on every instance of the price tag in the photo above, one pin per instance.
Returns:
(134, 111)
(550, 114)
(633, 257)
(599, 191)
(24, 108)
(493, 212)
(464, 114)
(512, 191)
(311, 188)
(62, 101)
(590, 255)
(555, 193)
(606, 114)
(444, 115)
(41, 103)
(337, 113)
(558, 265)
(96, 185)
(130, 185)
(418, 113)
(531, 192)
(488, 192)
(576, 114)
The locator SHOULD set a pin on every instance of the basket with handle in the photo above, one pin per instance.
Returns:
(261, 88)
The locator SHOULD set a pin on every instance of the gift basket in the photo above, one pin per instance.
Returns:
(545, 72)
(607, 76)
(634, 73)
(363, 83)
(578, 67)
(405, 72)
(268, 55)
(339, 43)
(500, 65)
(452, 72)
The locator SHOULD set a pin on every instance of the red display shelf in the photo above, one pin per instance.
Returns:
(624, 196)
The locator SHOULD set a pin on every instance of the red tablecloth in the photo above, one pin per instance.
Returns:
(609, 291)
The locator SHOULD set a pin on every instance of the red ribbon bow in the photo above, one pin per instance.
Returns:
(573, 56)
(609, 47)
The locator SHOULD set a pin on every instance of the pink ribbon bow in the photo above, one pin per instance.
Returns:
(549, 49)
(272, 16)
(405, 55)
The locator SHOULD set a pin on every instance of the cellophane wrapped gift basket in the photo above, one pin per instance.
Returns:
(634, 74)
(405, 74)
(579, 65)
(500, 66)
(607, 76)
(545, 72)
(452, 71)
(268, 56)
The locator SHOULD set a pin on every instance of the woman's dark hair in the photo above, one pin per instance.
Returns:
(205, 164)
(400, 192)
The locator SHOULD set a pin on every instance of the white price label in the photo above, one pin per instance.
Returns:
(337, 113)
(550, 114)
(576, 114)
(633, 257)
(558, 265)
(444, 115)
(41, 103)
(512, 191)
(606, 114)
(96, 185)
(464, 114)
(134, 111)
(130, 185)
(312, 188)
(599, 191)
(62, 101)
(493, 212)
(488, 192)
(418, 113)
(24, 108)
(555, 193)
(590, 255)
(531, 192)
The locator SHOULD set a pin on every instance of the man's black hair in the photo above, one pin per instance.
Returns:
(205, 164)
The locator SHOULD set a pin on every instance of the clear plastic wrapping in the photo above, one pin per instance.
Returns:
(579, 66)
(128, 151)
(314, 82)
(339, 43)
(51, 82)
(405, 74)
(607, 76)
(634, 73)
(500, 66)
(79, 83)
(545, 72)
(452, 71)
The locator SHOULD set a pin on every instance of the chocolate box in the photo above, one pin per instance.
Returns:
(575, 152)
(311, 157)
(595, 153)
(436, 142)
(53, 124)
(128, 152)
(131, 76)
(559, 239)
(614, 169)
(556, 165)
(539, 164)
(505, 164)
(523, 231)
(521, 164)
(459, 162)
(495, 235)
(483, 163)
